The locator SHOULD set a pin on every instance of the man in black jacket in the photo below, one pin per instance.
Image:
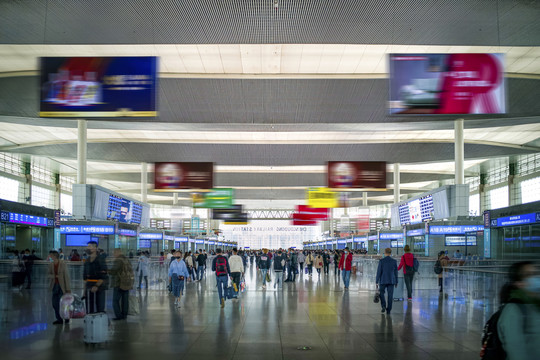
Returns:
(95, 277)
(279, 265)
(326, 262)
(201, 264)
(220, 265)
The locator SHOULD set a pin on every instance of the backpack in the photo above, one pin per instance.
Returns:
(416, 265)
(221, 266)
(492, 348)
(127, 277)
(437, 268)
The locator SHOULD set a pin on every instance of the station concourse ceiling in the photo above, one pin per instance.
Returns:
(269, 93)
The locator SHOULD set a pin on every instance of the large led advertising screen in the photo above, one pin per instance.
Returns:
(357, 174)
(447, 84)
(98, 86)
(170, 176)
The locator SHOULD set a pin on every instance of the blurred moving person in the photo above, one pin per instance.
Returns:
(519, 322)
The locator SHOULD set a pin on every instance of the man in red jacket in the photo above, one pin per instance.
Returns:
(345, 265)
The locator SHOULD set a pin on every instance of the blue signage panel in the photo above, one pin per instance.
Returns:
(151, 236)
(98, 86)
(390, 236)
(518, 219)
(145, 244)
(342, 241)
(168, 237)
(128, 232)
(183, 239)
(199, 241)
(453, 229)
(415, 232)
(358, 239)
(372, 237)
(17, 218)
(211, 242)
(87, 229)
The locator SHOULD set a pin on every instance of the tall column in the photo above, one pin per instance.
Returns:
(459, 152)
(396, 183)
(144, 182)
(175, 198)
(364, 199)
(81, 152)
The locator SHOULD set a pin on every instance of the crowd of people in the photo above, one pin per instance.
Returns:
(518, 322)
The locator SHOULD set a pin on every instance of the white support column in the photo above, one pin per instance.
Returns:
(175, 198)
(81, 151)
(364, 199)
(144, 182)
(396, 183)
(459, 152)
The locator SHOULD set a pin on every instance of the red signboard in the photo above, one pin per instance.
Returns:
(308, 213)
(363, 223)
(296, 221)
(170, 176)
(357, 174)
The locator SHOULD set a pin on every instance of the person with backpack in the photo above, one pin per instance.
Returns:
(178, 274)
(408, 262)
(512, 333)
(220, 265)
(387, 279)
(442, 261)
(122, 281)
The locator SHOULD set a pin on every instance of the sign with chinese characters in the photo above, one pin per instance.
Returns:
(453, 229)
(87, 229)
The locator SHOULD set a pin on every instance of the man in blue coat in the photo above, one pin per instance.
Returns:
(387, 279)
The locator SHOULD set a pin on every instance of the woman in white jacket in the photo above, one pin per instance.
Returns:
(142, 268)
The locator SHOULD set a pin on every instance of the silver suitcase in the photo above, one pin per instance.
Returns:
(96, 328)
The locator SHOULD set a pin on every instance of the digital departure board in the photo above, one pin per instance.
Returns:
(124, 210)
(416, 211)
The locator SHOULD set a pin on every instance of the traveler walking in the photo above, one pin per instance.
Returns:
(345, 265)
(309, 263)
(441, 263)
(319, 262)
(387, 279)
(301, 260)
(264, 264)
(178, 274)
(59, 284)
(201, 265)
(142, 269)
(121, 282)
(279, 264)
(337, 258)
(326, 262)
(407, 263)
(519, 322)
(237, 270)
(220, 265)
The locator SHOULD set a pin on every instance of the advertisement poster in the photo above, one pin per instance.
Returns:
(215, 199)
(322, 198)
(357, 174)
(447, 84)
(98, 86)
(170, 176)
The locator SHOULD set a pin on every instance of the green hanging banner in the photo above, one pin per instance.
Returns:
(214, 199)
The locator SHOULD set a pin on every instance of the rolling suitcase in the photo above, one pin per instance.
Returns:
(96, 326)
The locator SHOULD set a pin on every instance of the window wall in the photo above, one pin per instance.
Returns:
(9, 189)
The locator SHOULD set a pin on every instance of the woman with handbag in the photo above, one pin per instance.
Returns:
(407, 263)
(178, 273)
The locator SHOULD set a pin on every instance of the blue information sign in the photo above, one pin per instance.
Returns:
(518, 219)
(151, 236)
(453, 229)
(87, 229)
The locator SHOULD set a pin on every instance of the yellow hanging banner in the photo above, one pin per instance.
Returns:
(322, 198)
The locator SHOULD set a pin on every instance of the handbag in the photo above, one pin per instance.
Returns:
(181, 278)
(377, 296)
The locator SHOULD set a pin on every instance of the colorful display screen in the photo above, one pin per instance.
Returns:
(124, 210)
(17, 218)
(430, 84)
(98, 87)
(80, 240)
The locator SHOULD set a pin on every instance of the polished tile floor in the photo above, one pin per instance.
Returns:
(313, 312)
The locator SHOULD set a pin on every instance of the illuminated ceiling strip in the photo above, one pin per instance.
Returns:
(280, 142)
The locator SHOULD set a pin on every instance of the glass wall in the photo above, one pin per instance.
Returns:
(530, 190)
(517, 242)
